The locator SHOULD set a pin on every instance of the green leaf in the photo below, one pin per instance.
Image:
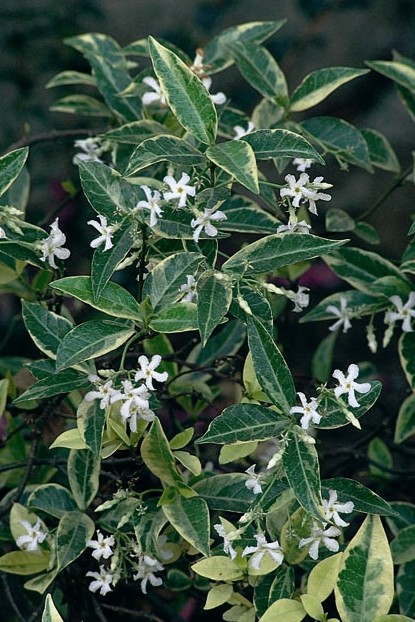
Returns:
(381, 152)
(41, 583)
(70, 439)
(320, 84)
(393, 617)
(162, 148)
(73, 532)
(24, 562)
(189, 461)
(135, 132)
(405, 588)
(22, 251)
(261, 70)
(109, 68)
(177, 318)
(70, 77)
(367, 233)
(11, 165)
(361, 268)
(399, 72)
(364, 499)
(404, 516)
(182, 439)
(339, 220)
(47, 329)
(82, 105)
(403, 545)
(89, 340)
(340, 138)
(218, 568)
(270, 367)
(225, 492)
(274, 586)
(226, 342)
(83, 475)
(236, 451)
(302, 470)
(186, 95)
(216, 53)
(63, 382)
(244, 422)
(284, 609)
(53, 499)
(163, 283)
(50, 613)
(214, 295)
(114, 300)
(280, 143)
(323, 577)
(365, 587)
(322, 361)
(107, 192)
(91, 418)
(237, 158)
(244, 216)
(104, 263)
(190, 518)
(378, 451)
(158, 457)
(407, 357)
(275, 251)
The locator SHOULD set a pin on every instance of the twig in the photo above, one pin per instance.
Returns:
(50, 136)
(11, 599)
(130, 612)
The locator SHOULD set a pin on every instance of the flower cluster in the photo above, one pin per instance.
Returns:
(101, 549)
(303, 191)
(134, 397)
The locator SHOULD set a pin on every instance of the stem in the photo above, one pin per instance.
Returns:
(396, 183)
(142, 264)
(126, 347)
(50, 136)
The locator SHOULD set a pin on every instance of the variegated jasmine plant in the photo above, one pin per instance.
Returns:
(173, 343)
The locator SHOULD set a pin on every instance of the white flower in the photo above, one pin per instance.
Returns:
(241, 131)
(102, 546)
(343, 313)
(33, 537)
(253, 483)
(332, 508)
(104, 392)
(178, 189)
(228, 538)
(105, 230)
(293, 226)
(147, 371)
(308, 410)
(272, 548)
(51, 247)
(2, 233)
(189, 289)
(301, 299)
(152, 204)
(321, 535)
(302, 164)
(348, 385)
(103, 580)
(405, 312)
(303, 191)
(157, 95)
(146, 568)
(217, 98)
(90, 151)
(204, 222)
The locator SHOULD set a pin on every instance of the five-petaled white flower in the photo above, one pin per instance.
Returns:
(104, 392)
(321, 535)
(106, 232)
(303, 191)
(293, 226)
(332, 508)
(204, 223)
(405, 312)
(242, 131)
(308, 410)
(302, 164)
(152, 204)
(189, 289)
(178, 189)
(301, 298)
(253, 483)
(34, 536)
(228, 538)
(217, 98)
(147, 371)
(102, 546)
(103, 580)
(157, 96)
(263, 547)
(91, 151)
(146, 568)
(348, 385)
(51, 247)
(343, 313)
